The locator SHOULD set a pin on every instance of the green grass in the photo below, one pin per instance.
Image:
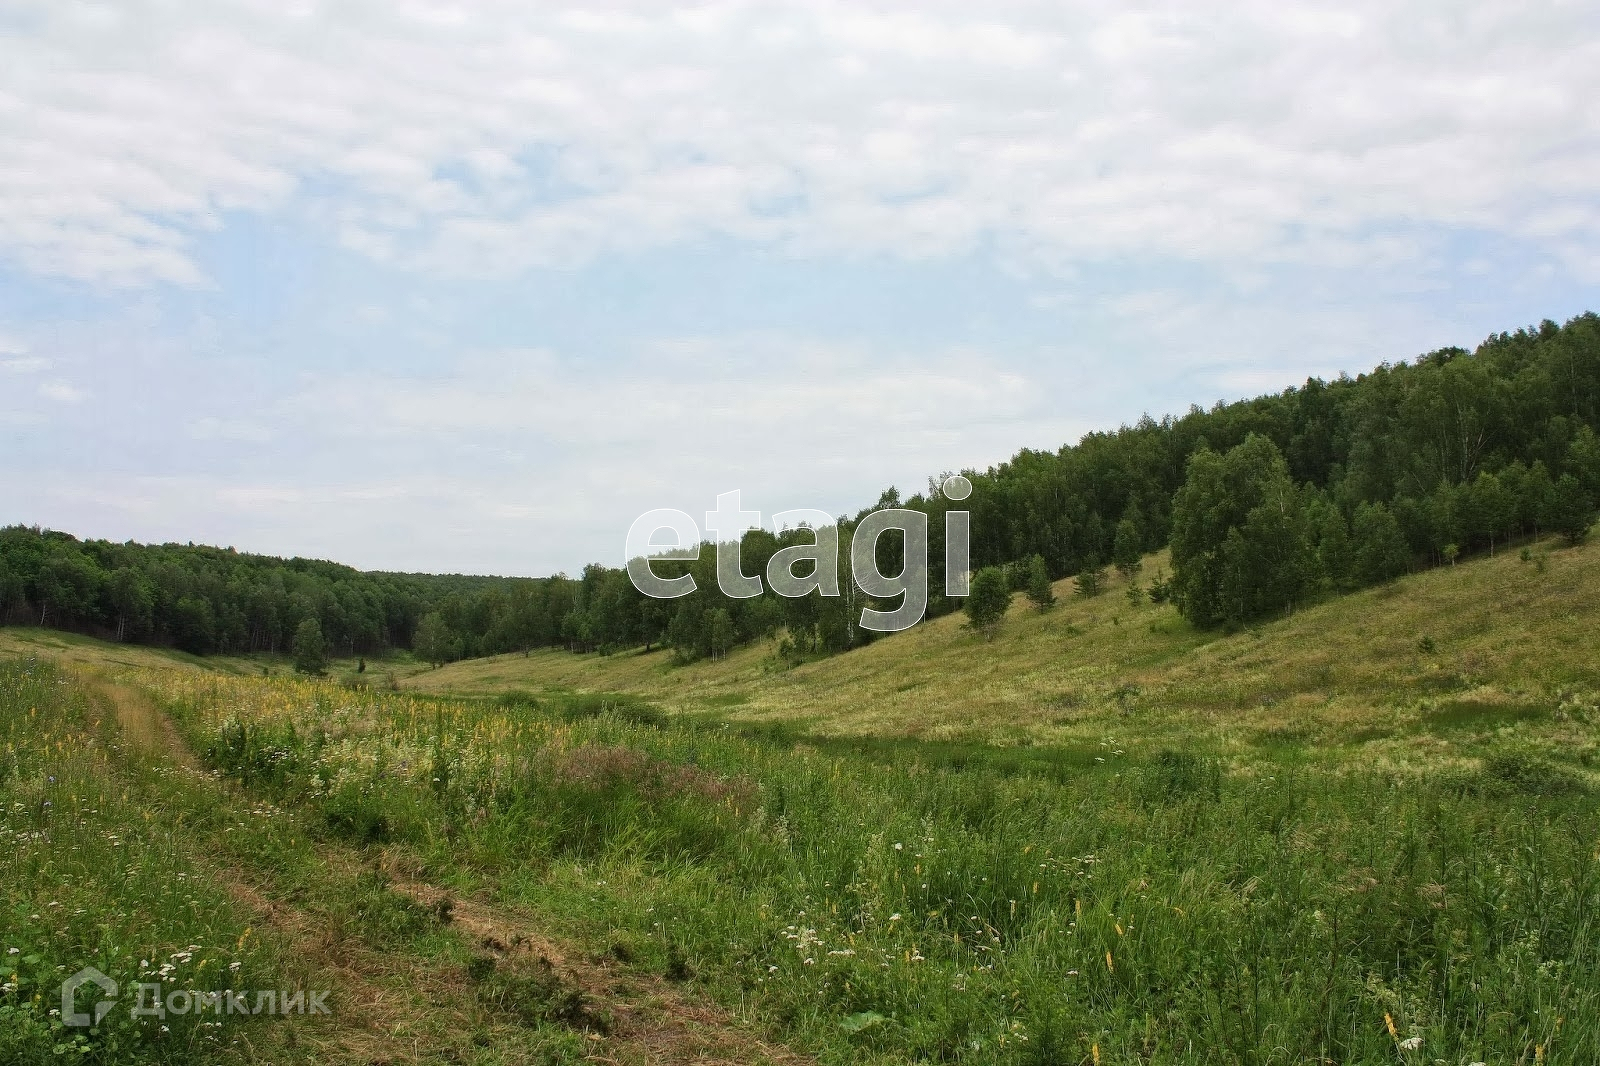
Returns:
(116, 854)
(1371, 675)
(1102, 836)
(897, 902)
(94, 878)
(72, 648)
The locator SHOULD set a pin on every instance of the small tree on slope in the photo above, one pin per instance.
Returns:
(1039, 590)
(987, 601)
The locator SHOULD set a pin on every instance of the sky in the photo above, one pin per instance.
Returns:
(466, 288)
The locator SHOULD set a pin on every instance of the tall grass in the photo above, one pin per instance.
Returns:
(93, 876)
(883, 905)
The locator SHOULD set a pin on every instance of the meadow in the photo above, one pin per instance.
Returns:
(1367, 833)
(1423, 670)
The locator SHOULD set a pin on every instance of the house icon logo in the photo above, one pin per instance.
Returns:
(70, 1015)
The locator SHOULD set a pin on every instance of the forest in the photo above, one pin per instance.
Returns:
(1266, 504)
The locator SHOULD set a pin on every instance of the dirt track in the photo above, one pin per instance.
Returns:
(634, 1017)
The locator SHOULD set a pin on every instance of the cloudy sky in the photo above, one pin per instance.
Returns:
(466, 287)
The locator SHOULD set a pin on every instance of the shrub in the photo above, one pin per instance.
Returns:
(1039, 590)
(1521, 772)
(354, 815)
(987, 600)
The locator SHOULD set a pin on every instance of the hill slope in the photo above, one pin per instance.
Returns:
(73, 648)
(1491, 648)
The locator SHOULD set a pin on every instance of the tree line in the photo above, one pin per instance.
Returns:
(1319, 489)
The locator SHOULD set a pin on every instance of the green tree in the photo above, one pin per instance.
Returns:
(1127, 550)
(1039, 590)
(987, 600)
(1091, 580)
(67, 586)
(434, 641)
(133, 601)
(1493, 509)
(1335, 550)
(719, 632)
(1570, 511)
(194, 625)
(1239, 548)
(652, 622)
(310, 650)
(10, 590)
(1584, 457)
(1381, 553)
(683, 633)
(1538, 490)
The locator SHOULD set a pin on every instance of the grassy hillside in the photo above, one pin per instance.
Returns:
(70, 648)
(1493, 648)
(1014, 852)
(77, 650)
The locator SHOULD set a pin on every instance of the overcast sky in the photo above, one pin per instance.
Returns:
(467, 287)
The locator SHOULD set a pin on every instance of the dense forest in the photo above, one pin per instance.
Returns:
(1265, 502)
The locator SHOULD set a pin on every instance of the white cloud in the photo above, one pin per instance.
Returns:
(14, 358)
(553, 459)
(60, 392)
(520, 134)
(228, 429)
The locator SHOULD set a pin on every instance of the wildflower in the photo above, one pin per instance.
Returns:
(1110, 968)
(1411, 1043)
(895, 917)
(1389, 1024)
(899, 847)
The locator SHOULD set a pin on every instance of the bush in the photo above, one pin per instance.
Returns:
(1521, 772)
(987, 600)
(1039, 590)
(355, 816)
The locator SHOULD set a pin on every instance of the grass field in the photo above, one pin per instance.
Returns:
(1368, 833)
(1420, 670)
